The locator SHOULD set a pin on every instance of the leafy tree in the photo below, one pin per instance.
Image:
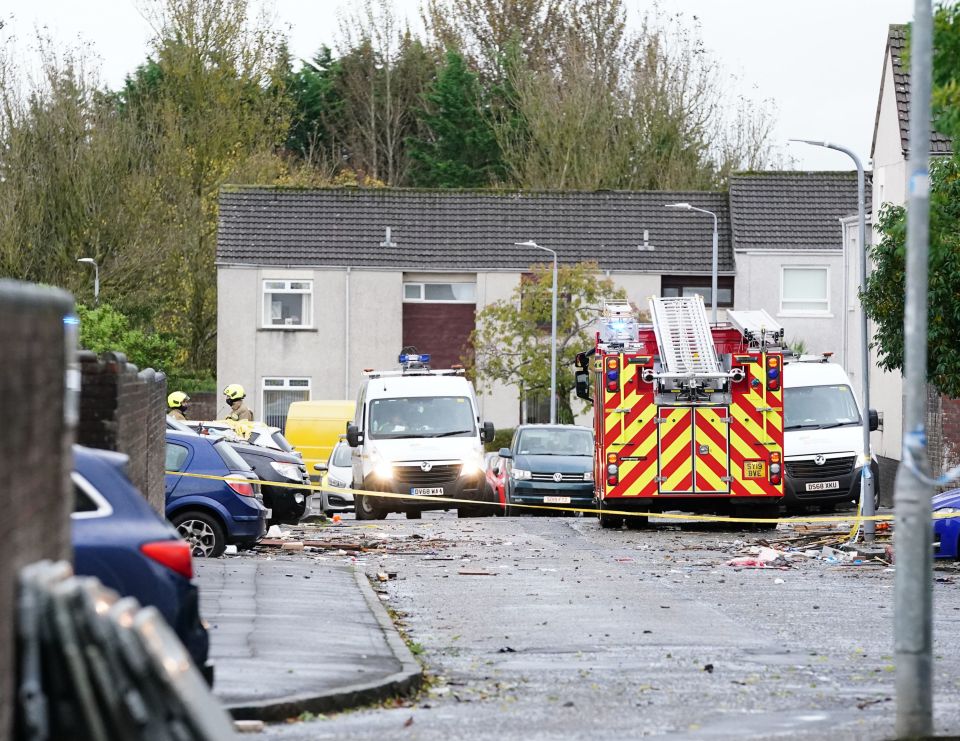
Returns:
(316, 93)
(210, 106)
(68, 187)
(459, 148)
(623, 110)
(884, 297)
(511, 343)
(104, 329)
(490, 32)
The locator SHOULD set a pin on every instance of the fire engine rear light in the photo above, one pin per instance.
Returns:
(243, 487)
(174, 554)
(776, 472)
(612, 469)
(611, 457)
(773, 373)
(612, 375)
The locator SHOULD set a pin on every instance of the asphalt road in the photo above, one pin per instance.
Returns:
(551, 628)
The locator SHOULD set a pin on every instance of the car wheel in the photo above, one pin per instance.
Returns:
(510, 509)
(609, 522)
(637, 522)
(203, 533)
(365, 510)
(758, 511)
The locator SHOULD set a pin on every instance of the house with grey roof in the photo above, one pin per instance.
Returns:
(788, 238)
(889, 151)
(317, 285)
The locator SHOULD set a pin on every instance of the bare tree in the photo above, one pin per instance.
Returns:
(385, 70)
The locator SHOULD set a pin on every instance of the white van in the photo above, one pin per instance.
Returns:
(417, 431)
(823, 435)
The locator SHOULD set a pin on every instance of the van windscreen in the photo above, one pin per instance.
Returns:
(819, 407)
(427, 416)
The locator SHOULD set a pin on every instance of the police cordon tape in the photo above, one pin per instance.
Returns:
(856, 519)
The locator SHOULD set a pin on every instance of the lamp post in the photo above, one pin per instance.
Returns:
(96, 277)
(713, 276)
(553, 330)
(867, 483)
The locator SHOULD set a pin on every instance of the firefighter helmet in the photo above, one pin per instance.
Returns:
(234, 392)
(177, 399)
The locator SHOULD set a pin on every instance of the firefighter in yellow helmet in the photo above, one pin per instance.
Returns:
(238, 410)
(177, 405)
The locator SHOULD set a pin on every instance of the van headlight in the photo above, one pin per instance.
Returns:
(383, 470)
(861, 460)
(470, 467)
(520, 474)
(588, 476)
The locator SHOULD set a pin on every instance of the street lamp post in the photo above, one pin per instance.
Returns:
(553, 330)
(867, 483)
(713, 276)
(96, 277)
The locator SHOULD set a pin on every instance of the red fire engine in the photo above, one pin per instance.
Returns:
(687, 416)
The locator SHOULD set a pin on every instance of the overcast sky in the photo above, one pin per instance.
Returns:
(820, 61)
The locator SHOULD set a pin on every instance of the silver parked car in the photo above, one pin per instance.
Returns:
(338, 474)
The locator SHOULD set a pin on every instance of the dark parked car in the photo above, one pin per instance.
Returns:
(209, 513)
(550, 465)
(286, 503)
(120, 540)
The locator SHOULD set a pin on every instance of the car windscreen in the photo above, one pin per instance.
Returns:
(555, 441)
(421, 416)
(342, 456)
(819, 407)
(230, 456)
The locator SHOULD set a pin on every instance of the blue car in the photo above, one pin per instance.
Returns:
(550, 465)
(946, 531)
(119, 539)
(211, 514)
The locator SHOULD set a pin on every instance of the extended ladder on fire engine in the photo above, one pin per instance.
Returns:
(684, 337)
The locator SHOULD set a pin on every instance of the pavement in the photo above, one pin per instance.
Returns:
(296, 635)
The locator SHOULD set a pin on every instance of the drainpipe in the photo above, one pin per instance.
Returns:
(846, 297)
(346, 335)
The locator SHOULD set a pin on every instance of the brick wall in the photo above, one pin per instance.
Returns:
(943, 433)
(205, 404)
(35, 460)
(123, 410)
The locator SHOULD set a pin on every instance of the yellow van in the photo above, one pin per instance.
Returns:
(313, 428)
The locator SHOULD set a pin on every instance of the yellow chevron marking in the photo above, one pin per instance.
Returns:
(717, 452)
(646, 447)
(681, 448)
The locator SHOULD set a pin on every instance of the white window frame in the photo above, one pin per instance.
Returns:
(268, 383)
(824, 312)
(267, 290)
(423, 292)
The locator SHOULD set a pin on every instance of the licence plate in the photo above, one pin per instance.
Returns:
(754, 469)
(556, 500)
(823, 485)
(433, 491)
